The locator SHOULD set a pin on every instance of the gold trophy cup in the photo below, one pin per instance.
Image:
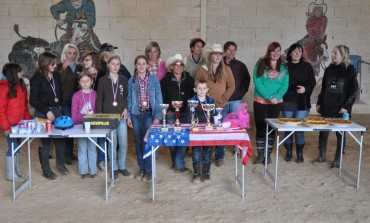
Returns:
(177, 105)
(208, 108)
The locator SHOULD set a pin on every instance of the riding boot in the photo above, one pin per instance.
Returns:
(9, 170)
(270, 145)
(289, 148)
(17, 166)
(299, 153)
(197, 173)
(45, 165)
(206, 172)
(260, 150)
(60, 159)
(336, 162)
(323, 142)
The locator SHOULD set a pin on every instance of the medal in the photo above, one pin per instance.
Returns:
(115, 93)
(56, 99)
(52, 85)
(145, 103)
(114, 104)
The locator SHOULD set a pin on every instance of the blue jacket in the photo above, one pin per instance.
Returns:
(155, 97)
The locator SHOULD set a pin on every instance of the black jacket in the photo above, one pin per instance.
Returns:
(300, 74)
(242, 78)
(339, 90)
(173, 90)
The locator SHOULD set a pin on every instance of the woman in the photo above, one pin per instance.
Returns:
(46, 97)
(144, 98)
(194, 61)
(221, 84)
(157, 66)
(338, 93)
(177, 85)
(271, 80)
(13, 108)
(68, 70)
(297, 101)
(106, 52)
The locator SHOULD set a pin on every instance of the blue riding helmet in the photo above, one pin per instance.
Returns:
(63, 122)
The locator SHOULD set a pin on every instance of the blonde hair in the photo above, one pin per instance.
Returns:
(344, 51)
(220, 70)
(68, 46)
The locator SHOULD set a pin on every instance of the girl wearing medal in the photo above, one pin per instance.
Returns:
(144, 98)
(83, 103)
(112, 99)
(46, 97)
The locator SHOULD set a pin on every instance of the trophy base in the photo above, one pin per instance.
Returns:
(164, 129)
(220, 128)
(209, 128)
(177, 128)
(195, 129)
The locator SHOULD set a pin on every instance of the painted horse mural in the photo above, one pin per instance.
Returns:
(316, 52)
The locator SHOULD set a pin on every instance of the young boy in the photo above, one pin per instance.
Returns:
(201, 154)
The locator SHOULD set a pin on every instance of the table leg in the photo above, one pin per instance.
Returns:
(236, 165)
(341, 153)
(277, 159)
(359, 162)
(153, 173)
(266, 147)
(106, 170)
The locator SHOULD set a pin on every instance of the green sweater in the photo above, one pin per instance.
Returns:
(264, 87)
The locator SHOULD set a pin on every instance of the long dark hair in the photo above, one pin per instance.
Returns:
(11, 70)
(265, 62)
(291, 49)
(43, 63)
(135, 71)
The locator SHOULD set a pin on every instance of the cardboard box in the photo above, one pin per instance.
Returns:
(103, 121)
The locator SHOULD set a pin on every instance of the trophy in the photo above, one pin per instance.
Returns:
(177, 105)
(194, 121)
(164, 108)
(219, 117)
(208, 108)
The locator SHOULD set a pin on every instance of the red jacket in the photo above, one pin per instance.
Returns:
(12, 110)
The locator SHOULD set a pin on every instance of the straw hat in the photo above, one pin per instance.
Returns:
(173, 59)
(215, 48)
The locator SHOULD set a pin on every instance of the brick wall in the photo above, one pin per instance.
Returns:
(252, 24)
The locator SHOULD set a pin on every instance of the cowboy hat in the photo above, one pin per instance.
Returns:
(215, 48)
(319, 3)
(173, 59)
(107, 47)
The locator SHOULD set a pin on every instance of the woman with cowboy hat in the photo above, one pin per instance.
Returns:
(177, 85)
(221, 84)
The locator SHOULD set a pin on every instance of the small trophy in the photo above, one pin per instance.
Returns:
(164, 108)
(194, 121)
(219, 117)
(208, 108)
(177, 105)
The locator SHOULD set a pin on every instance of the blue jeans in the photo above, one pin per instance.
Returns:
(120, 134)
(220, 150)
(101, 157)
(141, 124)
(177, 152)
(202, 155)
(86, 156)
(234, 105)
(16, 144)
(299, 136)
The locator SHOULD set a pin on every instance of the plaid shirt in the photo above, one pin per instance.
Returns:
(153, 68)
(143, 92)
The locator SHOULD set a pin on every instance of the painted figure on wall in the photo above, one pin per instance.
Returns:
(316, 21)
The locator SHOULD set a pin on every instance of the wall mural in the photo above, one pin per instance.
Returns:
(77, 28)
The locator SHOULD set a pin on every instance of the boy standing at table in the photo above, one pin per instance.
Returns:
(201, 154)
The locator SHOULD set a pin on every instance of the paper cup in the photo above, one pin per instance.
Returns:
(87, 127)
(215, 119)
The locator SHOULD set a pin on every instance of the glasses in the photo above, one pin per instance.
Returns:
(178, 64)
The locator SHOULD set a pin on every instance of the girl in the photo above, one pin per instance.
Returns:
(112, 99)
(144, 98)
(46, 97)
(83, 103)
(157, 66)
(271, 80)
(337, 95)
(221, 84)
(13, 108)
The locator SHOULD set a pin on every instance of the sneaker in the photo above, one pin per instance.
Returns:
(139, 175)
(147, 176)
(83, 176)
(219, 162)
(101, 165)
(94, 176)
(124, 172)
(183, 170)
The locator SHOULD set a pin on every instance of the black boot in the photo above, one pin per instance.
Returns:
(323, 142)
(260, 157)
(45, 166)
(336, 162)
(197, 173)
(299, 152)
(268, 157)
(206, 172)
(60, 157)
(289, 148)
(270, 146)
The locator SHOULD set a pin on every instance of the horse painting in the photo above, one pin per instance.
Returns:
(315, 52)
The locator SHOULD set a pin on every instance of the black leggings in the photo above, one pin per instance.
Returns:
(262, 111)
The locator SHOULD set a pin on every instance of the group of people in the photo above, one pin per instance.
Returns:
(101, 84)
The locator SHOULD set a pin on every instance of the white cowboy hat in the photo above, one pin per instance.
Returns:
(215, 48)
(173, 59)
(320, 3)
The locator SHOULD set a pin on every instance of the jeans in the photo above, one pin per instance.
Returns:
(101, 157)
(177, 152)
(120, 134)
(141, 124)
(234, 105)
(202, 155)
(66, 110)
(16, 144)
(299, 136)
(86, 156)
(220, 150)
